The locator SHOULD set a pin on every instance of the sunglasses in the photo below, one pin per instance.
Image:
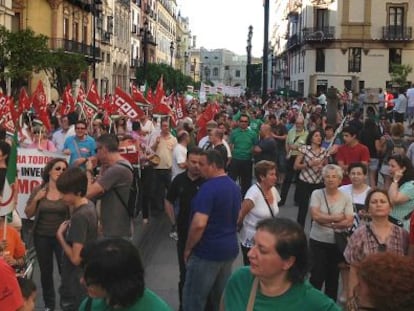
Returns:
(36, 132)
(60, 168)
(80, 128)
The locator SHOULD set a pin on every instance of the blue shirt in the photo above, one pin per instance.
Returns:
(220, 199)
(80, 148)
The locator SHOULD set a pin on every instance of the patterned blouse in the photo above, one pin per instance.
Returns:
(362, 243)
(308, 174)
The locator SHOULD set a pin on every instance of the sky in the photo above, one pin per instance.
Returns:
(224, 23)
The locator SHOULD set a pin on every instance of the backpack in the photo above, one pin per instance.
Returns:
(132, 205)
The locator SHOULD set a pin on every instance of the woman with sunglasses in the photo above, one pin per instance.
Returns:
(46, 205)
(380, 235)
(40, 140)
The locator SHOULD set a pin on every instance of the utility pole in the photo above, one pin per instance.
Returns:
(265, 50)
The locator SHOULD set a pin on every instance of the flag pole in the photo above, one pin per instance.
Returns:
(5, 228)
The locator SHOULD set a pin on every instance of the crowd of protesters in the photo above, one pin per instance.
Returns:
(222, 179)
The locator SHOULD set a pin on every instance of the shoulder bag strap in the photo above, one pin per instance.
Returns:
(373, 234)
(116, 190)
(252, 296)
(77, 147)
(326, 202)
(267, 202)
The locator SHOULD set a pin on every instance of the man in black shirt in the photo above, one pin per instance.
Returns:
(266, 148)
(182, 190)
(216, 139)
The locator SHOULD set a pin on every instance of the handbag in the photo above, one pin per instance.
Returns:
(341, 237)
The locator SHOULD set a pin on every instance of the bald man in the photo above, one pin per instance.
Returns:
(266, 148)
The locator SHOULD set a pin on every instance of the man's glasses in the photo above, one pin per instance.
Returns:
(36, 132)
(59, 168)
(80, 128)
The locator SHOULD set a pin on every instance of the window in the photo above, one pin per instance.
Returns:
(396, 16)
(75, 34)
(85, 34)
(354, 60)
(215, 72)
(320, 60)
(66, 28)
(237, 74)
(394, 58)
(322, 19)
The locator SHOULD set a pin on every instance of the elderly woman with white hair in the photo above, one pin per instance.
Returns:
(331, 212)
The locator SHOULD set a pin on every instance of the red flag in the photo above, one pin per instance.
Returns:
(8, 114)
(40, 105)
(108, 105)
(150, 97)
(180, 109)
(81, 95)
(138, 96)
(24, 101)
(93, 99)
(207, 115)
(159, 91)
(68, 102)
(126, 104)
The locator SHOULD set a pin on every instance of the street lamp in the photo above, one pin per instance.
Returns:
(171, 52)
(265, 49)
(195, 64)
(249, 58)
(144, 34)
(185, 62)
(96, 9)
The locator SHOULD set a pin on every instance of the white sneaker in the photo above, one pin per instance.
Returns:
(173, 235)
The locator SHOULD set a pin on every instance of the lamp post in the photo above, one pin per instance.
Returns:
(195, 64)
(249, 58)
(265, 50)
(185, 62)
(171, 52)
(95, 12)
(144, 33)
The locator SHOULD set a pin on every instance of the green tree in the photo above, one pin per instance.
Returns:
(173, 79)
(399, 74)
(64, 68)
(21, 53)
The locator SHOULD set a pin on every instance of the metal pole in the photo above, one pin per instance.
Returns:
(94, 40)
(144, 68)
(265, 50)
(249, 58)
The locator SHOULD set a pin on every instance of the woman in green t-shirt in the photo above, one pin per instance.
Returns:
(114, 278)
(275, 279)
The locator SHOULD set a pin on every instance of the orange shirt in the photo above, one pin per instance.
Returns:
(15, 245)
(10, 295)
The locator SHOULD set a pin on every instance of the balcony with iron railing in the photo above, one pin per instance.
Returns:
(397, 33)
(293, 41)
(71, 46)
(318, 34)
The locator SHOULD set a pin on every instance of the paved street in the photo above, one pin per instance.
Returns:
(159, 256)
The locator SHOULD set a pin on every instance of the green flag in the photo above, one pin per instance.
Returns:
(10, 188)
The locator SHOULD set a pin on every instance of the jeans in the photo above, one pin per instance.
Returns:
(181, 266)
(325, 260)
(241, 169)
(145, 190)
(45, 248)
(204, 278)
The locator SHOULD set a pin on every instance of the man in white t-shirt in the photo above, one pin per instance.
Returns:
(179, 156)
(410, 104)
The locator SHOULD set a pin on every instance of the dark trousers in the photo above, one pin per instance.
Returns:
(305, 189)
(161, 181)
(241, 169)
(399, 117)
(290, 175)
(145, 190)
(45, 248)
(325, 260)
(181, 266)
(245, 250)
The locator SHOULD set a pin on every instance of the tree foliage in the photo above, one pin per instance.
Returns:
(173, 79)
(21, 53)
(64, 68)
(399, 74)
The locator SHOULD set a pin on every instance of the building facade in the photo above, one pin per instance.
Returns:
(221, 66)
(341, 43)
(166, 31)
(183, 42)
